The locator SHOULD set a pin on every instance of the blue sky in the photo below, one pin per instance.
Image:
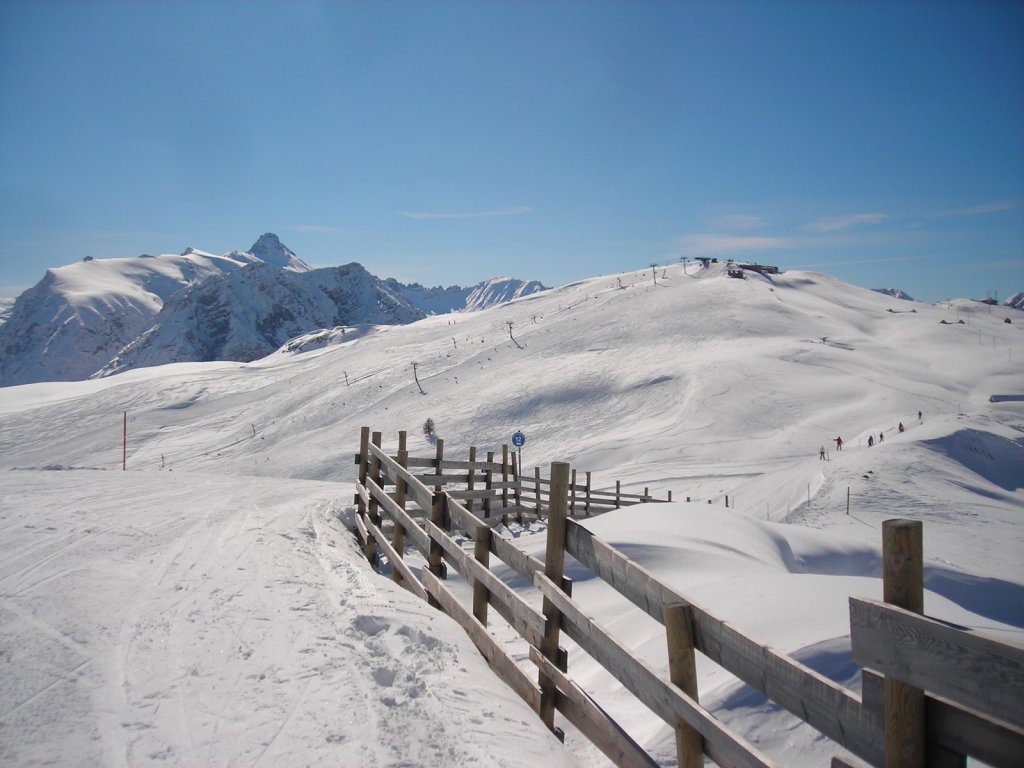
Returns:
(446, 143)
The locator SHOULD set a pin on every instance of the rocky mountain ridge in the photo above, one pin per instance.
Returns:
(103, 316)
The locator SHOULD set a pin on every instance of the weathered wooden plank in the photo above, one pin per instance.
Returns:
(476, 493)
(494, 466)
(954, 727)
(433, 478)
(499, 661)
(409, 580)
(526, 620)
(827, 706)
(667, 701)
(482, 555)
(592, 721)
(422, 495)
(363, 495)
(503, 548)
(471, 464)
(412, 529)
(364, 535)
(975, 671)
(843, 762)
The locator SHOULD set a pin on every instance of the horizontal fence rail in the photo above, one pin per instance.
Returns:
(966, 688)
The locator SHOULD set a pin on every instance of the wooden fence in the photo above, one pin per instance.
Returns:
(932, 693)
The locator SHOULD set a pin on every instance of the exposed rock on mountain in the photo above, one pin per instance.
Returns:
(896, 293)
(250, 313)
(272, 251)
(68, 325)
(101, 316)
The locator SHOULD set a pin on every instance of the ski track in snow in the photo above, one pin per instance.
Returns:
(227, 622)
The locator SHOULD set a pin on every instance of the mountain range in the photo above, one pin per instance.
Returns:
(103, 316)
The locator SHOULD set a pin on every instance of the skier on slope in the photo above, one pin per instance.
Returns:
(839, 443)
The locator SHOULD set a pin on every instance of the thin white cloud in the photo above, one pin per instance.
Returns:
(316, 229)
(514, 211)
(988, 265)
(740, 222)
(851, 262)
(837, 223)
(716, 245)
(978, 210)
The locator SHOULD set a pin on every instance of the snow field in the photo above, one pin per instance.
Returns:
(703, 385)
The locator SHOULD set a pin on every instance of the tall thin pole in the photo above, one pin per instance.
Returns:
(124, 450)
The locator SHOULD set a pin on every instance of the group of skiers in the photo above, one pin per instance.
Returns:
(871, 438)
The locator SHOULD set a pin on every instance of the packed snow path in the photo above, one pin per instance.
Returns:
(201, 620)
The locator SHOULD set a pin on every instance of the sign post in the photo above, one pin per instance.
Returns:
(518, 439)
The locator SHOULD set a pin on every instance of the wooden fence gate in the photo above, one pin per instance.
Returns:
(932, 693)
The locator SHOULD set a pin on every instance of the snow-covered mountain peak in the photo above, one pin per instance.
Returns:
(896, 293)
(271, 250)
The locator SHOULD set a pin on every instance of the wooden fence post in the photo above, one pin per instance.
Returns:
(504, 476)
(554, 567)
(364, 463)
(572, 497)
(471, 480)
(618, 494)
(903, 585)
(536, 485)
(683, 673)
(398, 537)
(435, 558)
(504, 485)
(488, 483)
(586, 502)
(374, 509)
(482, 553)
(438, 458)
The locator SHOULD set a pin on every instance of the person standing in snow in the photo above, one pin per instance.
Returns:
(900, 427)
(881, 436)
(920, 418)
(871, 440)
(839, 443)
(821, 453)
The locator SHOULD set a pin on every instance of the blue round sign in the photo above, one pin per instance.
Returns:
(518, 439)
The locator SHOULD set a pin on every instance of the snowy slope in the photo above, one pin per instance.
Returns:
(454, 298)
(208, 620)
(700, 384)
